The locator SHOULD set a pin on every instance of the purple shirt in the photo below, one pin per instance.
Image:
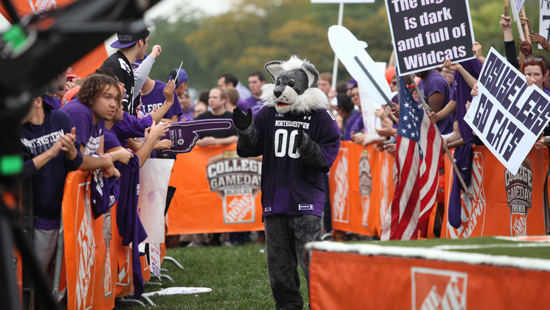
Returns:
(436, 83)
(358, 125)
(356, 117)
(249, 103)
(87, 132)
(131, 127)
(48, 182)
(53, 102)
(187, 115)
(155, 98)
(110, 140)
(461, 94)
(289, 186)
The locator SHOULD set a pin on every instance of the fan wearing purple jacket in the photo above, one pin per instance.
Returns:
(299, 140)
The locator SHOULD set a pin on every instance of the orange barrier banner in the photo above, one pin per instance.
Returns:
(216, 191)
(502, 204)
(353, 281)
(361, 188)
(90, 251)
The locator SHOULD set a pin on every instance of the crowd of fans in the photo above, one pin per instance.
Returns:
(118, 114)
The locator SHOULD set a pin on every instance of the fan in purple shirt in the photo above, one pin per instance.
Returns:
(256, 81)
(49, 142)
(98, 98)
(152, 97)
(436, 92)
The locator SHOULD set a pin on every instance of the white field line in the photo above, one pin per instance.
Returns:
(433, 254)
(488, 246)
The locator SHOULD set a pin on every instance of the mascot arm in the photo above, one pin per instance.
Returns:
(310, 152)
(247, 142)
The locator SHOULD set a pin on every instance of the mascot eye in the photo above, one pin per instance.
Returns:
(291, 83)
(278, 82)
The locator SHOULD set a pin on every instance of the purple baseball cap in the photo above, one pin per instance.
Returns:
(128, 39)
(182, 76)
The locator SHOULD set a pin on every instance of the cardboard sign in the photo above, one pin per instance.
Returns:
(154, 176)
(427, 32)
(544, 20)
(507, 115)
(359, 64)
(154, 258)
(185, 135)
(368, 109)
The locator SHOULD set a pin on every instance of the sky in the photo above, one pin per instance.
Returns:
(164, 8)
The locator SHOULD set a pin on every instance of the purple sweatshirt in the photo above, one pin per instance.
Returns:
(48, 182)
(288, 185)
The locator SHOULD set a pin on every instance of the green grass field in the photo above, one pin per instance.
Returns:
(237, 276)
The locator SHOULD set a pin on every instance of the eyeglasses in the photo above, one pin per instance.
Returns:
(446, 72)
(393, 83)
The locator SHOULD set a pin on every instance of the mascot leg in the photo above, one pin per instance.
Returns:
(286, 237)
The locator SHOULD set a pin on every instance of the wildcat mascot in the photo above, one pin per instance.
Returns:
(299, 140)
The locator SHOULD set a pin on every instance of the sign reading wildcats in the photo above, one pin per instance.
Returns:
(507, 115)
(427, 32)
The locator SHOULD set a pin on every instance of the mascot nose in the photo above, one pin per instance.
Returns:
(277, 93)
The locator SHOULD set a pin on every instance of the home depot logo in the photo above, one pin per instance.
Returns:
(237, 181)
(86, 253)
(340, 201)
(438, 289)
(41, 6)
(473, 210)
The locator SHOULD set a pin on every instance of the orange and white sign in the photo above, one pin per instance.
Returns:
(361, 188)
(216, 191)
(363, 276)
(90, 252)
(503, 204)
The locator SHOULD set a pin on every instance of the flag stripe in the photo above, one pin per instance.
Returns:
(417, 157)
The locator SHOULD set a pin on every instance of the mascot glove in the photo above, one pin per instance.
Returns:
(310, 152)
(242, 121)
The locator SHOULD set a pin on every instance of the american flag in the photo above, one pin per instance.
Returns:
(418, 149)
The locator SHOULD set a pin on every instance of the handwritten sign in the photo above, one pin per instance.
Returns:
(507, 115)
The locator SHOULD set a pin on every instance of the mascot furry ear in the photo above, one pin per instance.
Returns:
(295, 89)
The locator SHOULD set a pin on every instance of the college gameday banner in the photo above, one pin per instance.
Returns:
(216, 191)
(503, 204)
(361, 188)
(90, 252)
(353, 281)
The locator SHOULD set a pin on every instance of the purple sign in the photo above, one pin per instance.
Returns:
(184, 135)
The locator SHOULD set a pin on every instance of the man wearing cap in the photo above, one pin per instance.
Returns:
(181, 91)
(132, 48)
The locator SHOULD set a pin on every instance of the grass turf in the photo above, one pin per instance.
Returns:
(237, 276)
(495, 246)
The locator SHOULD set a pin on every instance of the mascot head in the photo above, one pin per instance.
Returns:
(295, 89)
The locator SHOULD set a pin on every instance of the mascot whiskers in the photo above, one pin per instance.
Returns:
(299, 140)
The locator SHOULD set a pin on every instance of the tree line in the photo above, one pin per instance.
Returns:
(254, 32)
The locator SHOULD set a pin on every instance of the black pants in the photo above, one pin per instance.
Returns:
(285, 238)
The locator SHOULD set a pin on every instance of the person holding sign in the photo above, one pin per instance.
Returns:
(436, 92)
